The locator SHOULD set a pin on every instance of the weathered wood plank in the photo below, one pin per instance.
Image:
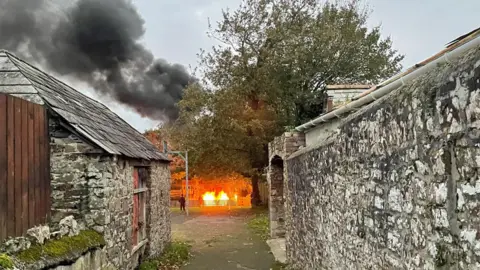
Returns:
(18, 166)
(47, 165)
(3, 167)
(25, 165)
(11, 166)
(42, 164)
(31, 168)
(37, 157)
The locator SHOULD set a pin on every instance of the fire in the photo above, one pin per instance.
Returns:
(210, 198)
(223, 196)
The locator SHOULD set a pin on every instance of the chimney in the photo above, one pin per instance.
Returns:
(329, 104)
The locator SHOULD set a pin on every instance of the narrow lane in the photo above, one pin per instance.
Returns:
(221, 240)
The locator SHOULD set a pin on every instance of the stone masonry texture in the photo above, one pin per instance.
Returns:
(279, 150)
(97, 190)
(398, 187)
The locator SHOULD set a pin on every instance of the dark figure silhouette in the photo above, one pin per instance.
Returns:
(182, 203)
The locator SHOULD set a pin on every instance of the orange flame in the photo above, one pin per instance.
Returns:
(211, 199)
(210, 196)
(223, 196)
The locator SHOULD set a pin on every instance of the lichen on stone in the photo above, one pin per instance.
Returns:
(63, 248)
(6, 262)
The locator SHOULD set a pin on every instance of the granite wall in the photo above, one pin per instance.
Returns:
(398, 186)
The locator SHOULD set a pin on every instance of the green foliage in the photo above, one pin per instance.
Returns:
(269, 72)
(6, 262)
(174, 256)
(149, 265)
(260, 225)
(286, 51)
(63, 247)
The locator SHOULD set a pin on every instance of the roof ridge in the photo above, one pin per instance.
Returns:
(50, 77)
(106, 128)
(9, 55)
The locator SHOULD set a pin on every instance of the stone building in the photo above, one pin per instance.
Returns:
(389, 180)
(105, 176)
(339, 94)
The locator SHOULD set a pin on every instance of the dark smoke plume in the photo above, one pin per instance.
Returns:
(95, 41)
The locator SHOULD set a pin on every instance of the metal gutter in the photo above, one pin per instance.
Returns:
(378, 91)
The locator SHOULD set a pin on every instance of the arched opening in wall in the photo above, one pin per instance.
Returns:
(277, 200)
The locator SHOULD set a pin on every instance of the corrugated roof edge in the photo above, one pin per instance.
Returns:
(452, 46)
(161, 156)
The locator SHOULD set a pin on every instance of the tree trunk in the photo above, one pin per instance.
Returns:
(255, 197)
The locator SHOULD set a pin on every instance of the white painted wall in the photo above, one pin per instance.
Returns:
(340, 95)
(320, 133)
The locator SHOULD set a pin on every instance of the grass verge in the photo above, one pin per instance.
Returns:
(259, 224)
(174, 256)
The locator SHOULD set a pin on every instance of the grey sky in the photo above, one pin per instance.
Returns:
(176, 30)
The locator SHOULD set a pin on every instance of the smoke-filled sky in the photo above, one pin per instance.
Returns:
(98, 43)
(174, 31)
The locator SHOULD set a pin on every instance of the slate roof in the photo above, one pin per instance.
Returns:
(88, 117)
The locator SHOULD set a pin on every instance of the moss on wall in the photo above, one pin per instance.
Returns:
(62, 249)
(6, 262)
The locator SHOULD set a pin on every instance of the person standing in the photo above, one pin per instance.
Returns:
(182, 203)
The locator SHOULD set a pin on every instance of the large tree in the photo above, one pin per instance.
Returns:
(269, 71)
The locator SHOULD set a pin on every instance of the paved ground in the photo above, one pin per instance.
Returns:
(277, 246)
(221, 240)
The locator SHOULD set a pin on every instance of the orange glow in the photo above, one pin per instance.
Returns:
(212, 199)
(209, 196)
(223, 196)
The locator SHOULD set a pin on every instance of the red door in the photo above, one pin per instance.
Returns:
(135, 209)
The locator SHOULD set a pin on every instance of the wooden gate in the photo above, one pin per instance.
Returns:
(263, 190)
(24, 166)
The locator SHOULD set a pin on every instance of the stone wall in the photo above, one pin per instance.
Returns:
(279, 150)
(158, 228)
(97, 189)
(69, 159)
(398, 187)
(110, 183)
(90, 261)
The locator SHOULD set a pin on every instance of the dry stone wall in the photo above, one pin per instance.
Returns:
(398, 187)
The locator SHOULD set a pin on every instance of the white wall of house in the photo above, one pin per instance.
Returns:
(319, 134)
(341, 95)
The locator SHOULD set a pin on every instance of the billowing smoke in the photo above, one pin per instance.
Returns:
(98, 42)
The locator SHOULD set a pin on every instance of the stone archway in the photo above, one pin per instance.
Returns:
(277, 198)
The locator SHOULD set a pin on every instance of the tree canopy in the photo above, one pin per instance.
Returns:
(269, 71)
